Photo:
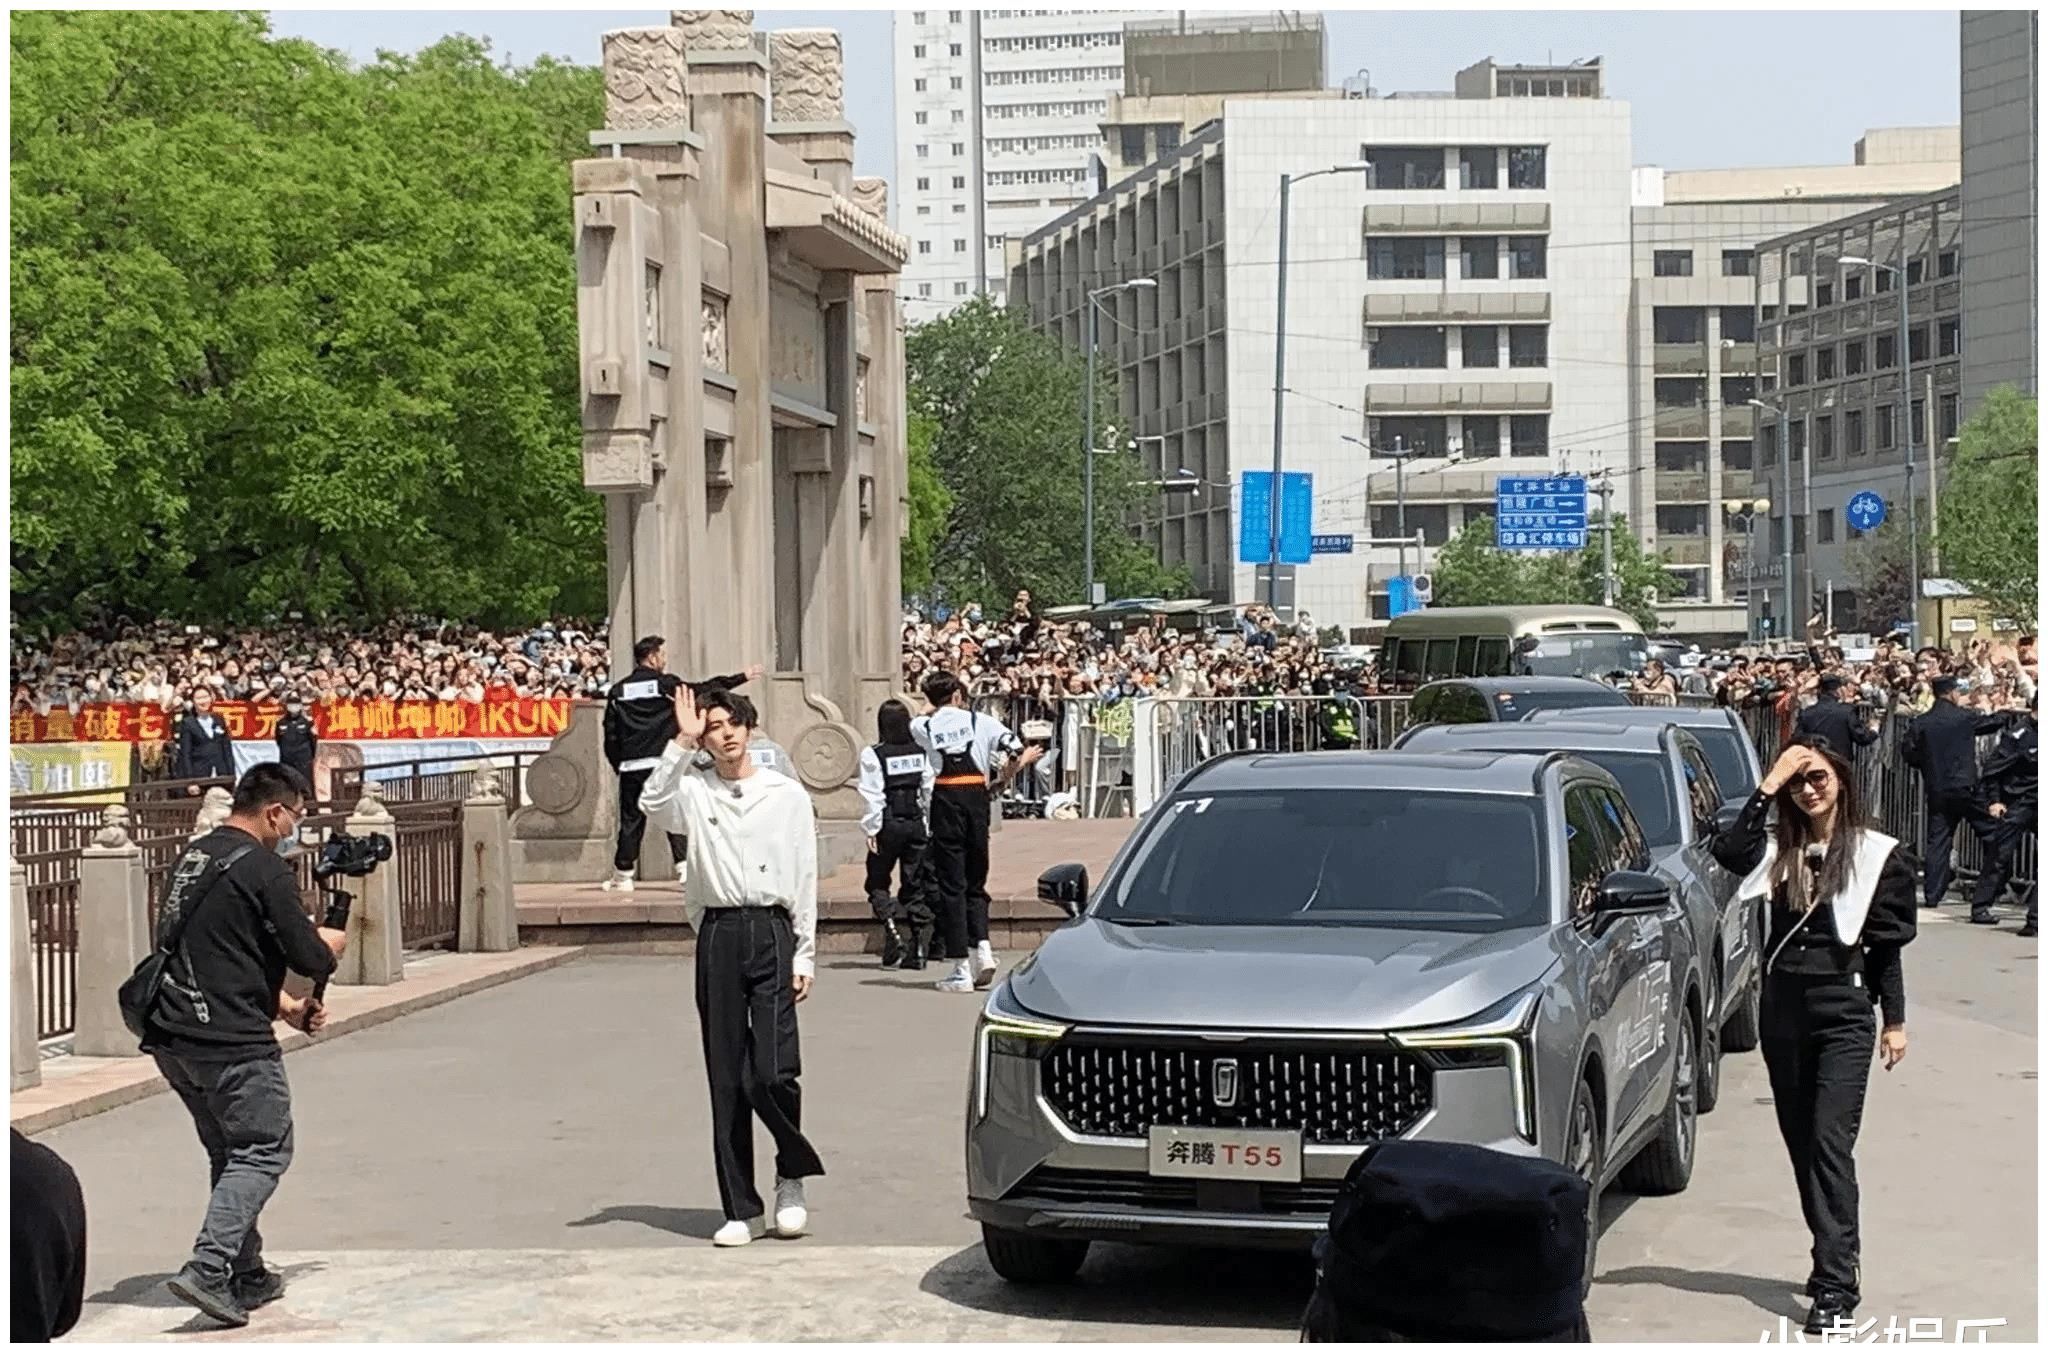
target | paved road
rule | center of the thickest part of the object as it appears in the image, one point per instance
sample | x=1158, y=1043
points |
x=529, y=1163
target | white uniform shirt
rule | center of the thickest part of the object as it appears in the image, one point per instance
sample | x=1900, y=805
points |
x=874, y=778
x=954, y=730
x=753, y=843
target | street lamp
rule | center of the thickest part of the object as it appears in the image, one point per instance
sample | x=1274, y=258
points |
x=1287, y=182
x=1088, y=434
x=1747, y=511
x=1785, y=495
x=1906, y=419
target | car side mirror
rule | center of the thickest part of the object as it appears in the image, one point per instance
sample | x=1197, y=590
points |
x=1066, y=887
x=1630, y=892
x=1730, y=813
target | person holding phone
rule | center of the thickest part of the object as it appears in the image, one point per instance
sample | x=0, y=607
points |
x=1839, y=905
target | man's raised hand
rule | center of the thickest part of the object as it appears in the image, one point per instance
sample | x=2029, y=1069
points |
x=689, y=719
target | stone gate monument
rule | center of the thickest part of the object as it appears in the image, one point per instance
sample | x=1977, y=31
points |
x=743, y=409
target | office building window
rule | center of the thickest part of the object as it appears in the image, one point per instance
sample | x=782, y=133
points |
x=1680, y=392
x=952, y=16
x=924, y=246
x=1529, y=434
x=1131, y=142
x=1916, y=342
x=1795, y=369
x=924, y=211
x=1672, y=263
x=917, y=16
x=994, y=241
x=953, y=49
x=1528, y=256
x=924, y=289
x=1166, y=136
x=1482, y=435
x=1824, y=437
x=1737, y=456
x=959, y=116
x=1949, y=416
x=1526, y=166
x=1823, y=293
x=959, y=208
x=1945, y=263
x=1405, y=259
x=1919, y=416
x=1916, y=271
x=924, y=185
x=1478, y=167
x=1528, y=345
x=924, y=151
x=1738, y=263
x=1481, y=345
x=1683, y=520
x=1887, y=351
x=1407, y=435
x=1824, y=527
x=959, y=288
x=918, y=51
x=1853, y=357
x=1951, y=331
x=1406, y=345
x=1767, y=441
x=921, y=118
x=1737, y=391
x=959, y=246
x=1850, y=291
x=1404, y=166
x=920, y=85
x=1852, y=286
x=959, y=147
x=955, y=82
x=1738, y=324
x=1678, y=324
x=1887, y=427
x=1824, y=364
x=1796, y=439
x=1479, y=256
x=959, y=181
x=1852, y=432
x=1432, y=519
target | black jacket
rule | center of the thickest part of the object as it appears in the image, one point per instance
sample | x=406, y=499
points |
x=296, y=743
x=49, y=1243
x=199, y=757
x=1836, y=721
x=220, y=990
x=2009, y=770
x=1942, y=746
x=640, y=712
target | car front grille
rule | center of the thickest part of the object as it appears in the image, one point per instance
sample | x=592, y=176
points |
x=1331, y=1094
x=1108, y=1188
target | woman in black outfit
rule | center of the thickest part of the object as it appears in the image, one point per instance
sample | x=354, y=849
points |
x=1840, y=909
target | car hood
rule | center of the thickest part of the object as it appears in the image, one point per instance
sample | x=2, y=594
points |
x=1277, y=977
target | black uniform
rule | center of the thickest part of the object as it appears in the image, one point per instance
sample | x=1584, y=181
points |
x=639, y=721
x=1942, y=746
x=49, y=1243
x=1835, y=720
x=1819, y=1033
x=900, y=840
x=2009, y=776
x=297, y=743
x=961, y=745
x=204, y=750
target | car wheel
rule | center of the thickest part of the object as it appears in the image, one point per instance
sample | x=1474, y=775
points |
x=1582, y=1155
x=1707, y=1088
x=1665, y=1165
x=1020, y=1258
x=1745, y=1026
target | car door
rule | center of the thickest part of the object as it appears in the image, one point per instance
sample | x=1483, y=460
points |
x=1589, y=852
x=1738, y=931
x=1647, y=1052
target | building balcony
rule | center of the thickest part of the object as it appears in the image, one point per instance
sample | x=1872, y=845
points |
x=1687, y=421
x=1683, y=551
x=1458, y=218
x=1742, y=484
x=1681, y=486
x=1681, y=359
x=1737, y=421
x=1469, y=307
x=1738, y=359
x=1456, y=396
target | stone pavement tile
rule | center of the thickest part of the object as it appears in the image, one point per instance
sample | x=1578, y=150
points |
x=75, y=1087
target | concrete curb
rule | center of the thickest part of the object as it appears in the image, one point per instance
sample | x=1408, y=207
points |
x=143, y=1080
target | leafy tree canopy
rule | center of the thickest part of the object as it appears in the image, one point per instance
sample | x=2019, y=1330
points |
x=1470, y=570
x=1990, y=527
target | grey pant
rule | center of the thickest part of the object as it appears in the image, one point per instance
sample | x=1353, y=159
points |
x=243, y=1111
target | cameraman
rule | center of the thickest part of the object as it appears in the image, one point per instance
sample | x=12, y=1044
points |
x=210, y=1027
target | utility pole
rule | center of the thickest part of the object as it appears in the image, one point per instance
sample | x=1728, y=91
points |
x=1606, y=492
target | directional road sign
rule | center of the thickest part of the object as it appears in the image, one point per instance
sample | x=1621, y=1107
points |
x=1547, y=513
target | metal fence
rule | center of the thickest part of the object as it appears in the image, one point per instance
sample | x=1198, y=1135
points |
x=53, y=938
x=428, y=851
x=435, y=780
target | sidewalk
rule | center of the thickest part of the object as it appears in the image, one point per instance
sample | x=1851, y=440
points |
x=78, y=1087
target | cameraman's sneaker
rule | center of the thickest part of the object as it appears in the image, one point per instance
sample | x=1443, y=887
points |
x=214, y=1297
x=791, y=1216
x=621, y=881
x=256, y=1289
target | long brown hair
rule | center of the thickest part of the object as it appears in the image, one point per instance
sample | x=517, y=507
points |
x=1794, y=832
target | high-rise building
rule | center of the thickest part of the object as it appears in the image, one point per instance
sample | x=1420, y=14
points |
x=997, y=114
x=2001, y=184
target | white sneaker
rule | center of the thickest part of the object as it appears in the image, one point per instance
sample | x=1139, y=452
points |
x=736, y=1233
x=961, y=978
x=790, y=1214
x=984, y=967
x=619, y=882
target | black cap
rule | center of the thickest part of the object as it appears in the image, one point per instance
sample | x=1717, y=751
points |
x=1831, y=682
x=1445, y=1241
x=1943, y=685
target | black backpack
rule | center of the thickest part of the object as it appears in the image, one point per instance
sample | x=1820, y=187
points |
x=139, y=994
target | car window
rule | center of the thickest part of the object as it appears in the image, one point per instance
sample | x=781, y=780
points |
x=1519, y=704
x=1585, y=848
x=1492, y=659
x=1336, y=857
x=1422, y=709
x=1409, y=665
x=1628, y=847
x=1464, y=704
x=1646, y=786
x=1468, y=655
x=1725, y=755
x=1441, y=659
x=1703, y=790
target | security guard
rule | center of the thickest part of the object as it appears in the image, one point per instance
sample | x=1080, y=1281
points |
x=1942, y=746
x=639, y=721
x=1834, y=719
x=296, y=741
x=896, y=788
x=2009, y=777
x=962, y=747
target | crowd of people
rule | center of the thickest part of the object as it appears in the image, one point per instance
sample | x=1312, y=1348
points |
x=164, y=663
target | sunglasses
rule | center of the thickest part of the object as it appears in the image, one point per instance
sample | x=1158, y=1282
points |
x=1814, y=779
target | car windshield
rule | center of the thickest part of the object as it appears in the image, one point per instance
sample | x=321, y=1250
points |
x=1521, y=704
x=1592, y=655
x=1647, y=787
x=1337, y=857
x=1724, y=753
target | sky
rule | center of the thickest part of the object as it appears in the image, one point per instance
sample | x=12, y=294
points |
x=1707, y=89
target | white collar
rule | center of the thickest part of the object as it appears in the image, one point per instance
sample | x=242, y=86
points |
x=1851, y=906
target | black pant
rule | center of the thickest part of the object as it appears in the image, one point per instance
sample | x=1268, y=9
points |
x=1946, y=812
x=960, y=865
x=900, y=846
x=633, y=824
x=746, y=1009
x=2000, y=853
x=243, y=1111
x=1819, y=1035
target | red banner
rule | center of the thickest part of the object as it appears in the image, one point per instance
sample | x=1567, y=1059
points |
x=343, y=720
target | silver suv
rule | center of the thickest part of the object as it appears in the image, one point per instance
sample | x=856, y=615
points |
x=1294, y=957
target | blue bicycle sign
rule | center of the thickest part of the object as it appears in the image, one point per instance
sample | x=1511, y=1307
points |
x=1866, y=511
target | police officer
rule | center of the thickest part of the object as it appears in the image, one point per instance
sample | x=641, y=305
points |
x=296, y=741
x=2009, y=778
x=204, y=750
x=639, y=721
x=896, y=788
x=1942, y=746
x=962, y=747
x=1834, y=719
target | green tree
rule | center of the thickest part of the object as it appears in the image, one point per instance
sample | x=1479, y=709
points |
x=930, y=504
x=1470, y=570
x=1004, y=403
x=290, y=334
x=1881, y=566
x=1990, y=530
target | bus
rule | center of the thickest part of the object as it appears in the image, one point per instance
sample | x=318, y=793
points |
x=1481, y=641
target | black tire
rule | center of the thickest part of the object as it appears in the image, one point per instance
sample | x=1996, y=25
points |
x=1707, y=1086
x=1032, y=1260
x=1744, y=1027
x=1584, y=1152
x=1665, y=1165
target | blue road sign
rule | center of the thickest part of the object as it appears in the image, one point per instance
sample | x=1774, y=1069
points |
x=1255, y=517
x=1866, y=511
x=1547, y=513
x=1401, y=597
x=1330, y=544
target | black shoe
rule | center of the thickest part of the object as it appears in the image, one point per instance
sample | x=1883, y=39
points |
x=892, y=944
x=1832, y=1313
x=915, y=951
x=2028, y=931
x=1930, y=906
x=259, y=1288
x=214, y=1297
x=1982, y=916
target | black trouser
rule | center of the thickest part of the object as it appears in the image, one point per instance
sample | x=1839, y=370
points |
x=900, y=845
x=1819, y=1035
x=633, y=824
x=2000, y=854
x=243, y=1111
x=960, y=865
x=1946, y=812
x=746, y=1010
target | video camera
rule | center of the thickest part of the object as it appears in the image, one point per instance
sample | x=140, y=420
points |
x=349, y=857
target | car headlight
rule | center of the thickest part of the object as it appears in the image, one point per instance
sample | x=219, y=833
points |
x=1500, y=1035
x=1012, y=1032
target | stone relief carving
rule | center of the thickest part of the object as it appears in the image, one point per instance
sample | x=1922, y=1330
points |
x=871, y=195
x=806, y=75
x=713, y=30
x=860, y=390
x=643, y=79
x=826, y=755
x=714, y=333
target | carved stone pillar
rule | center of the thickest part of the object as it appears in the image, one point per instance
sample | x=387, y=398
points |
x=807, y=102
